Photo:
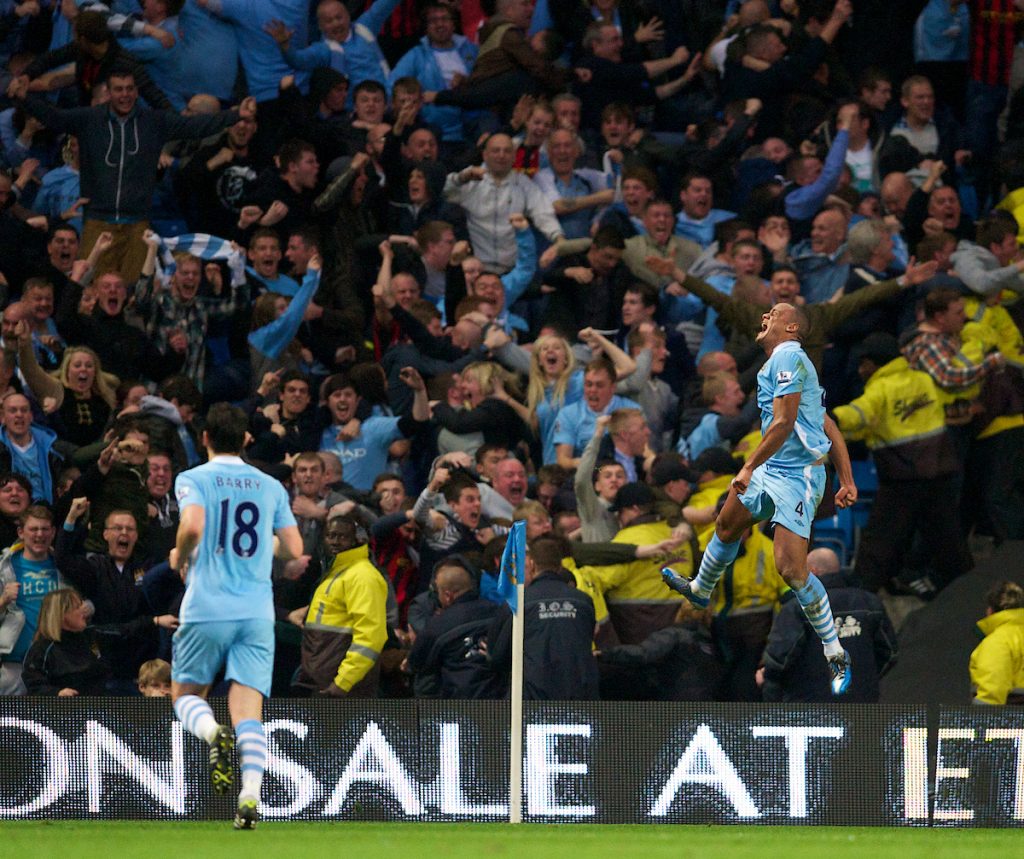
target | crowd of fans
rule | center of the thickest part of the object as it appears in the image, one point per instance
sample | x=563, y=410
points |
x=470, y=263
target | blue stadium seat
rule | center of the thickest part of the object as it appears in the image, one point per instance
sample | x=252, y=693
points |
x=866, y=477
x=837, y=533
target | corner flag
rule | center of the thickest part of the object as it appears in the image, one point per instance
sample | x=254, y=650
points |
x=513, y=560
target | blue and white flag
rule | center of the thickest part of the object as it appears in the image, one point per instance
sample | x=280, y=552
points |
x=204, y=246
x=513, y=564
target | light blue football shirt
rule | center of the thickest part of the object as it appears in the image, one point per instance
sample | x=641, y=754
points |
x=790, y=371
x=229, y=576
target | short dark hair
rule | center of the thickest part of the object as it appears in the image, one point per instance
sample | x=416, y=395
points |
x=802, y=320
x=871, y=77
x=294, y=376
x=727, y=231
x=608, y=237
x=604, y=463
x=337, y=382
x=310, y=235
x=182, y=389
x=92, y=27
x=618, y=110
x=485, y=449
x=291, y=152
x=369, y=85
x=225, y=428
x=455, y=485
x=548, y=550
x=992, y=231
x=61, y=227
x=13, y=476
x=690, y=175
x=938, y=301
x=648, y=292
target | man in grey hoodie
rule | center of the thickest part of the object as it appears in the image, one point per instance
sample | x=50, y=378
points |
x=120, y=144
x=992, y=263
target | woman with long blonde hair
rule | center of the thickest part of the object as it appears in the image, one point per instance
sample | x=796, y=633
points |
x=78, y=396
x=556, y=380
x=64, y=657
x=488, y=407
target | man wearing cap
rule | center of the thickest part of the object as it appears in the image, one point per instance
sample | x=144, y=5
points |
x=783, y=480
x=902, y=420
x=672, y=480
x=792, y=670
x=637, y=602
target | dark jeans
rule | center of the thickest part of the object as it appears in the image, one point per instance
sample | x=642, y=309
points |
x=984, y=104
x=993, y=496
x=901, y=509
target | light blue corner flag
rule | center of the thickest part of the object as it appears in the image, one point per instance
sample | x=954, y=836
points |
x=513, y=561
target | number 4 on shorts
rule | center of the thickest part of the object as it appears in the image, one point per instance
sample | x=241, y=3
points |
x=800, y=508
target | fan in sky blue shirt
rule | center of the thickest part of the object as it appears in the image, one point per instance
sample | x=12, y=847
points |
x=575, y=423
x=358, y=57
x=261, y=58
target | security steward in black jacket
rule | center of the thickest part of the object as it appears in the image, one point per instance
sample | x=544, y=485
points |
x=449, y=658
x=793, y=666
x=558, y=661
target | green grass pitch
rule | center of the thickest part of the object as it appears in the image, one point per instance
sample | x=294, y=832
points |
x=123, y=839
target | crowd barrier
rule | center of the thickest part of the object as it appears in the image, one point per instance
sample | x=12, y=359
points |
x=608, y=762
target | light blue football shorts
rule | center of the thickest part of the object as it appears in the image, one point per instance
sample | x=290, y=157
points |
x=787, y=496
x=244, y=647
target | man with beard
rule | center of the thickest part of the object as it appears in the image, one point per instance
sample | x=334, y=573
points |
x=217, y=178
x=111, y=581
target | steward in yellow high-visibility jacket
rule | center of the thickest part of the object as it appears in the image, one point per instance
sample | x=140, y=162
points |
x=346, y=627
x=902, y=418
x=997, y=664
x=638, y=601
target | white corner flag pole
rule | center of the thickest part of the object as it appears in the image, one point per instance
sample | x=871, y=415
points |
x=515, y=782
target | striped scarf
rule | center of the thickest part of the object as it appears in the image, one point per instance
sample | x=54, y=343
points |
x=205, y=247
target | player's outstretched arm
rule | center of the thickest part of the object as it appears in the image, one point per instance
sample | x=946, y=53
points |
x=784, y=411
x=840, y=456
x=287, y=543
